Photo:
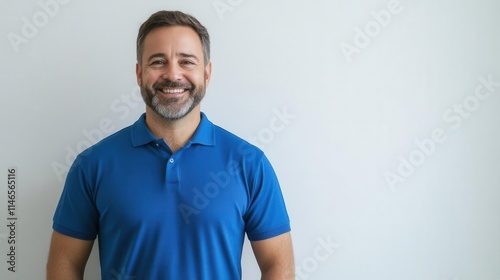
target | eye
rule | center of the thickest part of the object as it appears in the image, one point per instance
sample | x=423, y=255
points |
x=158, y=62
x=187, y=62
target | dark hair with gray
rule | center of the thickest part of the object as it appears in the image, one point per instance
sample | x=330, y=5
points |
x=173, y=18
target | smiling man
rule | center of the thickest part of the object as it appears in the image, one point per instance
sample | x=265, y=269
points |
x=173, y=195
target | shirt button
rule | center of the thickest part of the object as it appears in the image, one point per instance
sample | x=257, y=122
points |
x=157, y=145
x=171, y=160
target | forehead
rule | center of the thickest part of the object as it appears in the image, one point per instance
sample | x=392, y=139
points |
x=172, y=38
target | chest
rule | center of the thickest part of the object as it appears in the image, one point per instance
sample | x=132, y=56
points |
x=163, y=191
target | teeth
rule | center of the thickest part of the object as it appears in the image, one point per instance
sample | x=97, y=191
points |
x=172, y=90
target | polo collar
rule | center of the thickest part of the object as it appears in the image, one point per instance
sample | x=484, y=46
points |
x=204, y=134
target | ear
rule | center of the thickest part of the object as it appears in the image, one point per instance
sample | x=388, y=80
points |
x=208, y=73
x=138, y=74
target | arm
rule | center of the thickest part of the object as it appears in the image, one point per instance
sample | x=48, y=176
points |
x=275, y=257
x=67, y=257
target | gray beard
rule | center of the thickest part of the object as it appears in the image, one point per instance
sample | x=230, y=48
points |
x=170, y=109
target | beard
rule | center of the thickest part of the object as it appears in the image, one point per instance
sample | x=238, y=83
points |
x=172, y=108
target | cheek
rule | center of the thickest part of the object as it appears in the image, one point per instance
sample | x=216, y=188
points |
x=149, y=77
x=196, y=78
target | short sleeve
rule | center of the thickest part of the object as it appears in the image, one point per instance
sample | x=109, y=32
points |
x=76, y=214
x=266, y=216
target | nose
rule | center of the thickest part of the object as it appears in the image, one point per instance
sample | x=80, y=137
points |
x=172, y=72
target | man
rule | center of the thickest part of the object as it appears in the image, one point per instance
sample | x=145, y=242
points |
x=171, y=196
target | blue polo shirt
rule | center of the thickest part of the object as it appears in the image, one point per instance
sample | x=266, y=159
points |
x=164, y=215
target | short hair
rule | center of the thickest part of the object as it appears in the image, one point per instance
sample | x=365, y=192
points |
x=173, y=18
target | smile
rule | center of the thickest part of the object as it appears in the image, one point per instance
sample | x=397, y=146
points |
x=173, y=90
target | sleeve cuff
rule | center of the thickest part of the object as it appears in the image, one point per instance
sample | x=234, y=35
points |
x=73, y=233
x=268, y=234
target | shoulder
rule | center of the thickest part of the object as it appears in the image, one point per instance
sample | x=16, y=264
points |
x=228, y=140
x=115, y=143
x=112, y=142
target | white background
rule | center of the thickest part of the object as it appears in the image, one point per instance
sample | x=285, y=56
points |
x=356, y=117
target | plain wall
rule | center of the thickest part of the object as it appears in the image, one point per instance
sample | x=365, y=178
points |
x=381, y=118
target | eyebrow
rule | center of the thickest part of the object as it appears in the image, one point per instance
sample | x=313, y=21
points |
x=185, y=55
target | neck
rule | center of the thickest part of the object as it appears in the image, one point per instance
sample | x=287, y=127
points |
x=176, y=133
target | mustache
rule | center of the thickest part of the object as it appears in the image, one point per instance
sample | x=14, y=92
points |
x=171, y=84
